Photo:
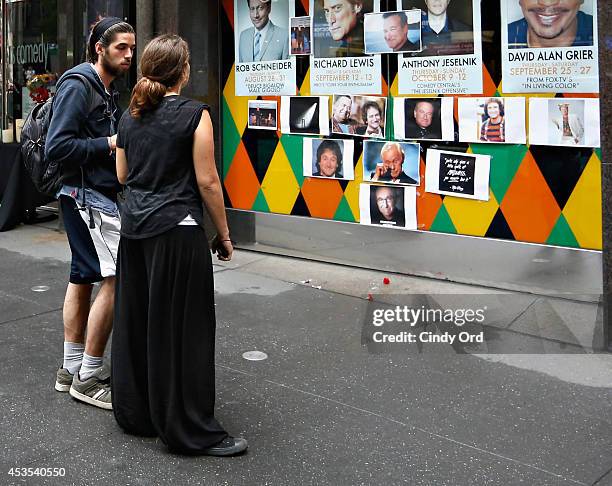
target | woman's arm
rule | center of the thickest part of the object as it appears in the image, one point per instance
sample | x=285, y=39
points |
x=208, y=181
x=122, y=168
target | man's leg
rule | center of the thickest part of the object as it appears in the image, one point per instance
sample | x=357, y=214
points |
x=100, y=323
x=92, y=382
x=75, y=313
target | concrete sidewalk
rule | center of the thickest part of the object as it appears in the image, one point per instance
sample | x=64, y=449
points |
x=323, y=408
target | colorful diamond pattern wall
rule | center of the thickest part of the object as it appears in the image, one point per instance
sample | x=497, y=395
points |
x=545, y=195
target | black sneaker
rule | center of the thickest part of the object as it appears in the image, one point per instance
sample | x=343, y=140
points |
x=230, y=446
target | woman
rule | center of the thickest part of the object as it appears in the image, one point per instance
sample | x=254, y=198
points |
x=163, y=344
x=329, y=160
x=493, y=127
x=372, y=118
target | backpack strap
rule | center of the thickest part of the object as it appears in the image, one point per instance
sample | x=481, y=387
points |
x=92, y=106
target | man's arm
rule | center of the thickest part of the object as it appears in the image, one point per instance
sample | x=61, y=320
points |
x=64, y=140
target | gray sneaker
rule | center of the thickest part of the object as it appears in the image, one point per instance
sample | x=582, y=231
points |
x=95, y=390
x=63, y=381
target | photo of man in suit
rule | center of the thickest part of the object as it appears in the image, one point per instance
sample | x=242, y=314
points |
x=391, y=169
x=264, y=41
x=423, y=121
x=568, y=128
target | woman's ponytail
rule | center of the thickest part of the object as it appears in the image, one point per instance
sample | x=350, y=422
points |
x=164, y=62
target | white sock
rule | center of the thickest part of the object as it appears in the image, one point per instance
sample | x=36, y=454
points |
x=73, y=356
x=90, y=364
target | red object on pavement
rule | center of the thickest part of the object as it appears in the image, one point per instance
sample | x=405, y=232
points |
x=386, y=281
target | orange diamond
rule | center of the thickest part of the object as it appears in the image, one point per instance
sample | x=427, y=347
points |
x=241, y=183
x=322, y=196
x=529, y=206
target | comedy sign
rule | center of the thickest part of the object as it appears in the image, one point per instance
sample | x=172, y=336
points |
x=263, y=62
x=549, y=47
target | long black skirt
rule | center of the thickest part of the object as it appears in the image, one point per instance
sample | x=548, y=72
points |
x=163, y=347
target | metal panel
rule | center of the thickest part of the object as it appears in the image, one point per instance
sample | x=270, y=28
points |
x=494, y=263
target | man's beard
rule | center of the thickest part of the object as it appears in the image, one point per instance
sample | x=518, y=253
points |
x=114, y=71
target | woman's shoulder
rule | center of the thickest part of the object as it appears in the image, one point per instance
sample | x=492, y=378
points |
x=191, y=104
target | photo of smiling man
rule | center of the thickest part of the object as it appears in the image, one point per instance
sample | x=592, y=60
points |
x=551, y=23
x=556, y=38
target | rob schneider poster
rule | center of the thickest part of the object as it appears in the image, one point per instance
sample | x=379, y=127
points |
x=261, y=37
x=549, y=47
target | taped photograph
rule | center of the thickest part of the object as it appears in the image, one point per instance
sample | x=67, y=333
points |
x=391, y=162
x=328, y=158
x=263, y=115
x=305, y=115
x=457, y=174
x=301, y=39
x=389, y=32
x=388, y=206
x=363, y=116
x=492, y=120
x=572, y=122
x=423, y=118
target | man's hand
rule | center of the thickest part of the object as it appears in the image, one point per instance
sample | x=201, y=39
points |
x=378, y=173
x=112, y=142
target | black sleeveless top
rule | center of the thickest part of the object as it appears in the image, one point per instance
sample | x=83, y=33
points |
x=161, y=188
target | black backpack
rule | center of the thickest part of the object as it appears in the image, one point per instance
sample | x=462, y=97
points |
x=46, y=174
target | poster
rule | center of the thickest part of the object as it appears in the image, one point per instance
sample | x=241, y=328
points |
x=451, y=59
x=458, y=174
x=305, y=115
x=391, y=162
x=300, y=41
x=423, y=118
x=362, y=116
x=263, y=115
x=572, y=122
x=261, y=48
x=549, y=47
x=492, y=120
x=328, y=158
x=388, y=206
x=393, y=32
x=339, y=63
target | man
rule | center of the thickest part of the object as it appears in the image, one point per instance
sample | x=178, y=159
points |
x=553, y=23
x=395, y=30
x=341, y=116
x=493, y=127
x=82, y=137
x=264, y=41
x=372, y=117
x=383, y=206
x=442, y=34
x=345, y=24
x=391, y=170
x=329, y=160
x=420, y=125
x=569, y=129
